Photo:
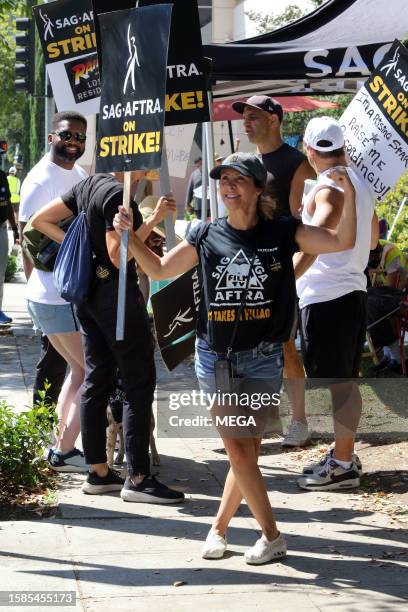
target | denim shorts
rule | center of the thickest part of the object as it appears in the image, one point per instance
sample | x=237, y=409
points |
x=263, y=363
x=257, y=375
x=53, y=318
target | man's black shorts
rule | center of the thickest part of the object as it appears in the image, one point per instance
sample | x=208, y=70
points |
x=332, y=336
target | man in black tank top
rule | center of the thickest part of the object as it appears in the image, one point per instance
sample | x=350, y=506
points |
x=287, y=166
x=287, y=169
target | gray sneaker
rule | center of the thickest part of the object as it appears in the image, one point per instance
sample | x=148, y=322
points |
x=297, y=435
x=331, y=477
x=313, y=467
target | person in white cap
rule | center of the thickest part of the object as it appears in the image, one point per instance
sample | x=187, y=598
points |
x=332, y=294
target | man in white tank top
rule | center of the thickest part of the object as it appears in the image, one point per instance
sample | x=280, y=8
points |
x=332, y=297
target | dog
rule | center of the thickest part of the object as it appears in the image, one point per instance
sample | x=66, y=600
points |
x=114, y=413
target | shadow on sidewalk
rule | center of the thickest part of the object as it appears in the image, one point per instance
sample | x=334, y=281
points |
x=365, y=567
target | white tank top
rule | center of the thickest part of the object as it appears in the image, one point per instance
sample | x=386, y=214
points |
x=335, y=274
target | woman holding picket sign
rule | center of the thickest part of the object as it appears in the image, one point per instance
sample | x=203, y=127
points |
x=245, y=315
x=99, y=197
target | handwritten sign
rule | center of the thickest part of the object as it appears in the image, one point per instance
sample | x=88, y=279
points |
x=375, y=124
x=179, y=140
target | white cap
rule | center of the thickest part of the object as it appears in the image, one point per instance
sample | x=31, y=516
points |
x=324, y=134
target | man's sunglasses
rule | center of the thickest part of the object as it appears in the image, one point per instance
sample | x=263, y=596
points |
x=67, y=135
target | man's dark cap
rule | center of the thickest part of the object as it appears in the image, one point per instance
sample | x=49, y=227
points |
x=264, y=103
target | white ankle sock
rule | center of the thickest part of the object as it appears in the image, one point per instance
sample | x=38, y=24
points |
x=344, y=464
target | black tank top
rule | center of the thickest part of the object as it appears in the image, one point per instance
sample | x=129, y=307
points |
x=281, y=166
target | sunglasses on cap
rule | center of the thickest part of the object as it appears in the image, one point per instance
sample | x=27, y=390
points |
x=67, y=135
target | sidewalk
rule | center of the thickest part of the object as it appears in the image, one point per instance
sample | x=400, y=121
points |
x=122, y=556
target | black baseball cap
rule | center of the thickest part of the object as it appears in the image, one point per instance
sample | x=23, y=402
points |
x=244, y=163
x=265, y=103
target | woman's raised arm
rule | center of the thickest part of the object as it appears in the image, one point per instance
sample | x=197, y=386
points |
x=181, y=258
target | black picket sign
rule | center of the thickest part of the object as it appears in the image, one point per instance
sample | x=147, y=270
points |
x=66, y=30
x=175, y=314
x=186, y=88
x=131, y=118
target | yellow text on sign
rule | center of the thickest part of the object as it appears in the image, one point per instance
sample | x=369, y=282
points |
x=394, y=106
x=129, y=144
x=249, y=314
x=71, y=45
x=187, y=100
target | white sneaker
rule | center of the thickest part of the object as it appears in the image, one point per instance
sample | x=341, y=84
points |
x=297, y=435
x=331, y=477
x=317, y=465
x=214, y=546
x=264, y=551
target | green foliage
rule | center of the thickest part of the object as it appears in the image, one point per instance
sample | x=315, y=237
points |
x=10, y=6
x=24, y=437
x=11, y=268
x=21, y=115
x=267, y=22
x=388, y=209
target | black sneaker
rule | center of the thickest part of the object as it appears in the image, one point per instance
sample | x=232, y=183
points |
x=150, y=491
x=94, y=484
x=74, y=461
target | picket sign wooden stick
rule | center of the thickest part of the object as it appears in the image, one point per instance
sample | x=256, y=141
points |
x=124, y=241
x=204, y=175
x=120, y=319
x=165, y=189
x=209, y=133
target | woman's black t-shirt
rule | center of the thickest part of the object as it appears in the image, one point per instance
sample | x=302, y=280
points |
x=100, y=196
x=225, y=254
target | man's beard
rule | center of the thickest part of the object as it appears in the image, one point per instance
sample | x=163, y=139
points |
x=60, y=150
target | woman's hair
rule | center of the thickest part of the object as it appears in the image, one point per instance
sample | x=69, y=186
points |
x=266, y=206
x=267, y=203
